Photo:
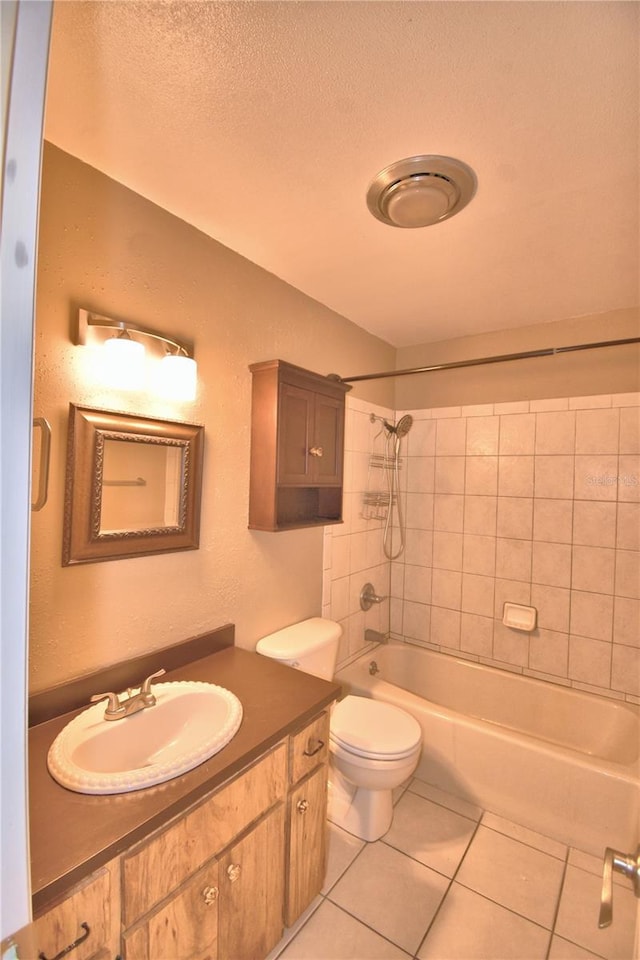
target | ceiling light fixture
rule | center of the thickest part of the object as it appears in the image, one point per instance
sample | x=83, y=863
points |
x=123, y=355
x=420, y=191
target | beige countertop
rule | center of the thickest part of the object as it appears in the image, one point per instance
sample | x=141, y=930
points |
x=73, y=834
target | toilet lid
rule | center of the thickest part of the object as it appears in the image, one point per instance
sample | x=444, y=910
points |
x=372, y=728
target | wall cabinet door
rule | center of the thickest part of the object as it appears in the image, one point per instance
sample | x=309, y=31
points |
x=307, y=843
x=252, y=891
x=310, y=437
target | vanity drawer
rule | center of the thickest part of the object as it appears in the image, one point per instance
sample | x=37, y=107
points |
x=90, y=905
x=157, y=866
x=309, y=747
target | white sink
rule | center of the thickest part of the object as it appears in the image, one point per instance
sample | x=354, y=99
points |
x=188, y=724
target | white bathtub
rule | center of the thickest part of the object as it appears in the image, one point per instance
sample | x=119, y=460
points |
x=560, y=761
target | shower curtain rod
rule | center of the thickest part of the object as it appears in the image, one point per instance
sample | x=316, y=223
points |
x=455, y=364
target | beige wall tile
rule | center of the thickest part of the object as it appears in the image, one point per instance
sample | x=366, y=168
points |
x=590, y=403
x=552, y=604
x=448, y=512
x=419, y=546
x=629, y=430
x=451, y=437
x=593, y=569
x=477, y=594
x=590, y=660
x=445, y=627
x=417, y=477
x=510, y=591
x=627, y=574
x=418, y=510
x=626, y=621
x=592, y=615
x=417, y=583
x=628, y=534
x=416, y=620
x=596, y=477
x=555, y=432
x=539, y=406
x=447, y=550
x=513, y=559
x=446, y=588
x=594, y=523
x=515, y=518
x=625, y=669
x=629, y=478
x=510, y=407
x=476, y=634
x=625, y=400
x=549, y=652
x=510, y=646
x=481, y=477
x=517, y=434
x=480, y=515
x=551, y=564
x=597, y=431
x=482, y=436
x=421, y=441
x=449, y=474
x=479, y=554
x=515, y=476
x=477, y=410
x=552, y=520
x=554, y=477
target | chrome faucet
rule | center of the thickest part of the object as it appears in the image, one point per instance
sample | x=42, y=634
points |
x=118, y=709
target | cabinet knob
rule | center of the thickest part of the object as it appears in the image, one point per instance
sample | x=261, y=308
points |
x=233, y=871
x=210, y=895
x=316, y=451
x=302, y=806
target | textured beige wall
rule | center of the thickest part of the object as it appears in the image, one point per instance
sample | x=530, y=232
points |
x=585, y=373
x=108, y=249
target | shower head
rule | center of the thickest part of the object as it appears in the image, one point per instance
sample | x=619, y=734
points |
x=403, y=425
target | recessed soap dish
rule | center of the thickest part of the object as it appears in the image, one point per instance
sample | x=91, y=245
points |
x=519, y=617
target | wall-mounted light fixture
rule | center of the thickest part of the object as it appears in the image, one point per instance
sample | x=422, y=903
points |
x=124, y=348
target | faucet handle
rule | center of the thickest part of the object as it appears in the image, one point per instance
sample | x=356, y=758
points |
x=625, y=863
x=145, y=689
x=114, y=705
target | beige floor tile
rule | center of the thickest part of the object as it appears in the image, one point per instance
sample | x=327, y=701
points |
x=470, y=927
x=290, y=932
x=530, y=837
x=586, y=861
x=331, y=934
x=578, y=916
x=343, y=848
x=513, y=874
x=448, y=800
x=563, y=950
x=429, y=833
x=392, y=893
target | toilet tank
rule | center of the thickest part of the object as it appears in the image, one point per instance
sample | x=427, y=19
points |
x=311, y=646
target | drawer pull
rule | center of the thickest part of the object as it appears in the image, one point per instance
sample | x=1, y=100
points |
x=210, y=895
x=72, y=946
x=233, y=872
x=309, y=752
x=302, y=806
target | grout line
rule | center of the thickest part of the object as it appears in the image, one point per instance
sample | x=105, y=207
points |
x=524, y=842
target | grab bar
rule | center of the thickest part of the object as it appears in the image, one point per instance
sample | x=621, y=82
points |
x=45, y=458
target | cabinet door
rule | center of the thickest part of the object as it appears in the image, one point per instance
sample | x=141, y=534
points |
x=307, y=843
x=185, y=927
x=295, y=435
x=328, y=434
x=252, y=891
x=84, y=918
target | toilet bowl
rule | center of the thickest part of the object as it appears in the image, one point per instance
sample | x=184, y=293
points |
x=374, y=746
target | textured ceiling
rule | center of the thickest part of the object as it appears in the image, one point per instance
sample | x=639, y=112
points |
x=263, y=123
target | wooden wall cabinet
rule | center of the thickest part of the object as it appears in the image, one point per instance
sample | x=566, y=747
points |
x=297, y=447
x=219, y=881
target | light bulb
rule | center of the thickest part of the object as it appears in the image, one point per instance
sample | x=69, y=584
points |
x=178, y=377
x=123, y=363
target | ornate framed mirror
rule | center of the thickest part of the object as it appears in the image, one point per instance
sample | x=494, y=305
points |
x=133, y=486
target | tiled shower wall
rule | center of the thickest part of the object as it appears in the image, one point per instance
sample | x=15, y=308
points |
x=534, y=502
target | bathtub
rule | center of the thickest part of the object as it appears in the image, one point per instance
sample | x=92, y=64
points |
x=559, y=761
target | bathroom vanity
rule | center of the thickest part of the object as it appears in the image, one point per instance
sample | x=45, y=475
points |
x=210, y=865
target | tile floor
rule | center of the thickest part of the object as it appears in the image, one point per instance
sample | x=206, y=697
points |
x=452, y=882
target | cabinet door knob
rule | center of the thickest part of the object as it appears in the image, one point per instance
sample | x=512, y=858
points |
x=210, y=895
x=316, y=451
x=233, y=871
x=302, y=806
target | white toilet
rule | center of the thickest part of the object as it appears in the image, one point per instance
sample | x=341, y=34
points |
x=374, y=746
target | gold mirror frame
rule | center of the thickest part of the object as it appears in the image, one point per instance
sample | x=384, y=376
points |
x=83, y=540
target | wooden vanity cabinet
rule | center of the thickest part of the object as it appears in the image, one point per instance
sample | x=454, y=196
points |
x=307, y=817
x=297, y=447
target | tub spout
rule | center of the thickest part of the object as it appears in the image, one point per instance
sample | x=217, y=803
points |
x=626, y=863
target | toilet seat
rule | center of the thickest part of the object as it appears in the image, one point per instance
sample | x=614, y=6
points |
x=374, y=729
